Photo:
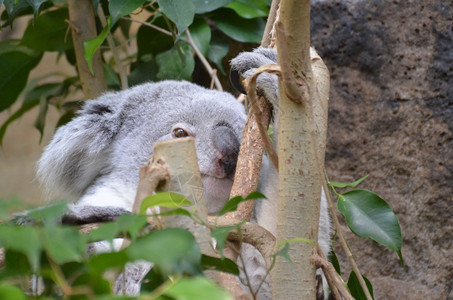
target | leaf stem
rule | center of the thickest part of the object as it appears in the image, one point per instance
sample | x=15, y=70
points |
x=204, y=61
x=343, y=242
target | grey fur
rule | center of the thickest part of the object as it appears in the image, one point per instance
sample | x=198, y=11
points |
x=96, y=157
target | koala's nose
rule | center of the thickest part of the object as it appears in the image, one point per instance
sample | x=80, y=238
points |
x=227, y=144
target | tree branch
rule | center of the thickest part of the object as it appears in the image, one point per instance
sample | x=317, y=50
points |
x=83, y=28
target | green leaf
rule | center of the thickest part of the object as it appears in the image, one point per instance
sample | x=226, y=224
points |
x=104, y=261
x=249, y=9
x=368, y=215
x=64, y=244
x=113, y=82
x=49, y=33
x=50, y=214
x=41, y=119
x=176, y=63
x=164, y=199
x=356, y=289
x=197, y=288
x=218, y=49
x=233, y=203
x=126, y=223
x=15, y=8
x=18, y=66
x=220, y=234
x=151, y=41
x=347, y=184
x=201, y=34
x=143, y=72
x=91, y=46
x=120, y=8
x=204, y=6
x=35, y=4
x=178, y=211
x=23, y=239
x=11, y=292
x=172, y=250
x=283, y=247
x=219, y=264
x=283, y=252
x=240, y=29
x=179, y=12
x=334, y=260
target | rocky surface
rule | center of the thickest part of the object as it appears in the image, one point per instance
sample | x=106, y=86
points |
x=391, y=116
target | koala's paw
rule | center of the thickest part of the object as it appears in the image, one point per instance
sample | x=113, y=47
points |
x=92, y=214
x=246, y=63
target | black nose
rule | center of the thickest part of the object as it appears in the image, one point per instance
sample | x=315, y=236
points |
x=226, y=142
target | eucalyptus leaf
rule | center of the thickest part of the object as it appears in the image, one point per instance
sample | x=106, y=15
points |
x=151, y=41
x=179, y=12
x=220, y=234
x=16, y=66
x=197, y=288
x=91, y=46
x=204, y=6
x=16, y=8
x=201, y=34
x=50, y=214
x=164, y=199
x=177, y=63
x=240, y=29
x=23, y=239
x=64, y=244
x=172, y=250
x=232, y=204
x=249, y=9
x=356, y=289
x=120, y=8
x=334, y=260
x=41, y=119
x=347, y=184
x=11, y=292
x=219, y=264
x=101, y=262
x=218, y=49
x=35, y=4
x=49, y=33
x=368, y=215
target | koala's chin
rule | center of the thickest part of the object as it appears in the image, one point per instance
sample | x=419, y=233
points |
x=216, y=192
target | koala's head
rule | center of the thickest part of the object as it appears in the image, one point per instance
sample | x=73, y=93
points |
x=113, y=136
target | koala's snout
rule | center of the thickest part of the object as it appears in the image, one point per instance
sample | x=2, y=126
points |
x=227, y=145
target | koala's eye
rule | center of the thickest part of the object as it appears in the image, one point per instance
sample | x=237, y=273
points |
x=180, y=133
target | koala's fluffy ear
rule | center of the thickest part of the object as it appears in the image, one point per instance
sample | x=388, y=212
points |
x=79, y=149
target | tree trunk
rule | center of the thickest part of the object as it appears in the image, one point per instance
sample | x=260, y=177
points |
x=299, y=177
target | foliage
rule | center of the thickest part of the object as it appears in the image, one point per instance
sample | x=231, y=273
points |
x=43, y=248
x=163, y=50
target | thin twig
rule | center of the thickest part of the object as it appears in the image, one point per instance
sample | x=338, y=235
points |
x=114, y=49
x=204, y=61
x=343, y=242
x=334, y=280
x=251, y=92
x=266, y=41
x=150, y=25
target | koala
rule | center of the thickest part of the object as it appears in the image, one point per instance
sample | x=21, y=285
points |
x=95, y=158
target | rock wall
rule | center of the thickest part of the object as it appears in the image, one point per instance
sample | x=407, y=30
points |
x=391, y=116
